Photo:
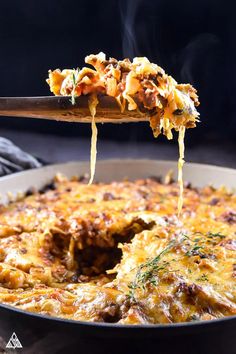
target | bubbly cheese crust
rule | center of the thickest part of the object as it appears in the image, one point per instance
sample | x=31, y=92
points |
x=117, y=252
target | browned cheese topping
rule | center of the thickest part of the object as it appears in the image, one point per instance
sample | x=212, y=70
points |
x=117, y=252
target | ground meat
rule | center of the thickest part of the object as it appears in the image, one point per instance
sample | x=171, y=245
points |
x=229, y=216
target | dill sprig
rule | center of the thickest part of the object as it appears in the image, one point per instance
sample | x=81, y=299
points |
x=74, y=83
x=210, y=234
x=216, y=234
x=194, y=250
x=203, y=277
x=146, y=273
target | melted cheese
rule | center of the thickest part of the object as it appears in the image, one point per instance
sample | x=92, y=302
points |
x=93, y=101
x=180, y=168
x=169, y=270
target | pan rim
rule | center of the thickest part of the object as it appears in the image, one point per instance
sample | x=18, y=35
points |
x=161, y=326
x=121, y=160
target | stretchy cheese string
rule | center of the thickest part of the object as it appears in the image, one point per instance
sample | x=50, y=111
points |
x=180, y=168
x=128, y=81
x=93, y=101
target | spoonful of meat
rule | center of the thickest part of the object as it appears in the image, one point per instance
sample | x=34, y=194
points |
x=114, y=92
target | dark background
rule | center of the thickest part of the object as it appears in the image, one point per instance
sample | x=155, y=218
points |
x=193, y=40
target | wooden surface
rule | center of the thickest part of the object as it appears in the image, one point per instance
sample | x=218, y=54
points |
x=61, y=109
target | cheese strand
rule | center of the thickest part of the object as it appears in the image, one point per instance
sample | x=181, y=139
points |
x=180, y=168
x=93, y=101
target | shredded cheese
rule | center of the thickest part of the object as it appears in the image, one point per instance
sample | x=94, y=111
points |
x=180, y=168
x=93, y=101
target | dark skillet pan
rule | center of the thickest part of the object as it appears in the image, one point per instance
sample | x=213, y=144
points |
x=43, y=334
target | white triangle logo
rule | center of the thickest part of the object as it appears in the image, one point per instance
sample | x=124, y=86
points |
x=14, y=342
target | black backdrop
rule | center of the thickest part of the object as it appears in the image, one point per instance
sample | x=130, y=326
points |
x=193, y=40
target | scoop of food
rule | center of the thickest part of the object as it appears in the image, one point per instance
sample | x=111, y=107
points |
x=140, y=85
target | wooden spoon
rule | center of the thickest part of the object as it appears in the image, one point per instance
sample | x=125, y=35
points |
x=61, y=109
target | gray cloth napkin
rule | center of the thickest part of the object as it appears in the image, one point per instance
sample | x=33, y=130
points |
x=13, y=159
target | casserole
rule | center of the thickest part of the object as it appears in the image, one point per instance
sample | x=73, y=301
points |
x=40, y=332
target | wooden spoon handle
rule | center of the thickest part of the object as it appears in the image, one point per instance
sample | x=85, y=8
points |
x=61, y=109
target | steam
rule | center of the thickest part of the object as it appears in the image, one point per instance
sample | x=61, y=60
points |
x=197, y=51
x=141, y=29
x=128, y=11
x=167, y=37
x=201, y=63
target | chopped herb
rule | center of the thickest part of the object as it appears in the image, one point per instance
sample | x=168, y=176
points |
x=74, y=81
x=203, y=277
x=74, y=78
x=193, y=251
x=217, y=234
x=72, y=100
x=194, y=318
x=185, y=237
x=146, y=273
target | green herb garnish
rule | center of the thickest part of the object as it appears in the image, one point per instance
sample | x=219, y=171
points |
x=74, y=82
x=217, y=234
x=74, y=78
x=184, y=237
x=146, y=273
x=193, y=250
x=203, y=277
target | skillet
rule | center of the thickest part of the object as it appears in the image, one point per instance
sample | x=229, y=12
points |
x=44, y=334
